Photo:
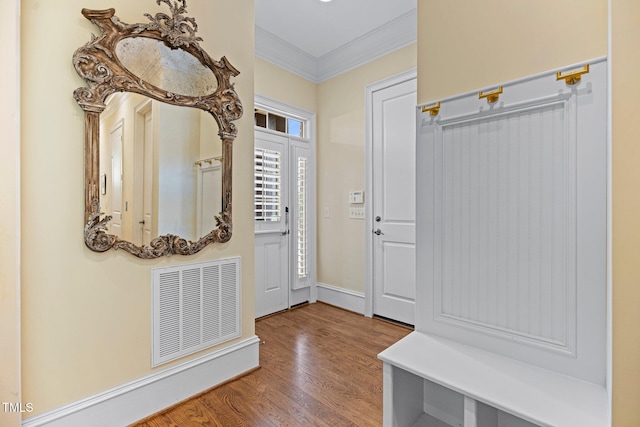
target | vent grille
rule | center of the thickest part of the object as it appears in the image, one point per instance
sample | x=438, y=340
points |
x=194, y=307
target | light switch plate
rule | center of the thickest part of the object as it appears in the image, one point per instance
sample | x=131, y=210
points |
x=356, y=213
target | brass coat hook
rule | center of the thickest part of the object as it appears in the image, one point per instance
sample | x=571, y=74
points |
x=433, y=110
x=572, y=77
x=491, y=96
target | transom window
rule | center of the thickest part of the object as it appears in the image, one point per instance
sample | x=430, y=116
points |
x=279, y=123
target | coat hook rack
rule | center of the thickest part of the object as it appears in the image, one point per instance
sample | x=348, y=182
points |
x=491, y=96
x=572, y=77
x=209, y=160
x=433, y=110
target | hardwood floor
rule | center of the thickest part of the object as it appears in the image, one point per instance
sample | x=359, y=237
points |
x=318, y=368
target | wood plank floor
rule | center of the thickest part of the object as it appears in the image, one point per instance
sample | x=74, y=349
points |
x=318, y=368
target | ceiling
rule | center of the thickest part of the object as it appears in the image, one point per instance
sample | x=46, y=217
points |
x=319, y=40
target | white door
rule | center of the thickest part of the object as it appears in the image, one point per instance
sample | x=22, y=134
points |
x=393, y=222
x=209, y=197
x=147, y=182
x=271, y=214
x=143, y=174
x=115, y=140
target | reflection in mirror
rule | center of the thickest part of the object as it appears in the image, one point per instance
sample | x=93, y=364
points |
x=161, y=168
x=175, y=71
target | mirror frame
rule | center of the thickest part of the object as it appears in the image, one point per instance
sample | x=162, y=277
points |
x=97, y=63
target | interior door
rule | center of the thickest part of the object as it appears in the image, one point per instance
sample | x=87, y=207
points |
x=271, y=215
x=209, y=197
x=393, y=222
x=147, y=183
x=116, y=141
x=142, y=206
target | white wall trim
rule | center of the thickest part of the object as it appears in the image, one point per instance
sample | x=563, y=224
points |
x=10, y=303
x=385, y=39
x=285, y=55
x=609, y=337
x=340, y=297
x=145, y=396
x=369, y=90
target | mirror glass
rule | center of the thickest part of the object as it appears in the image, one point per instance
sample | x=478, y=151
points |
x=173, y=70
x=160, y=169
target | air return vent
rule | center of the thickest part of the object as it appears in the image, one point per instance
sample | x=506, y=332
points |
x=194, y=306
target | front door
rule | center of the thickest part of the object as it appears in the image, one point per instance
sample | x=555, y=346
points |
x=271, y=215
x=393, y=222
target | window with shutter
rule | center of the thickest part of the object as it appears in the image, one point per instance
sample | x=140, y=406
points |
x=302, y=218
x=267, y=185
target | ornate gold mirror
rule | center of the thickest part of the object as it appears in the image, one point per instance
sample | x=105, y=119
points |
x=152, y=81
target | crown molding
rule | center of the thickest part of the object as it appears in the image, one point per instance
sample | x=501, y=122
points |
x=285, y=55
x=385, y=39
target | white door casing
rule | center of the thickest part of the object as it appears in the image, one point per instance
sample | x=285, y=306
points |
x=392, y=218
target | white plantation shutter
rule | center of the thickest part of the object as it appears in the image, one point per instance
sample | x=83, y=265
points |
x=267, y=185
x=301, y=229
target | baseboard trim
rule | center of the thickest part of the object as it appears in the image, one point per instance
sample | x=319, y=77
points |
x=340, y=297
x=145, y=396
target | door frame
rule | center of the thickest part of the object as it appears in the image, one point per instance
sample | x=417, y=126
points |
x=370, y=89
x=278, y=107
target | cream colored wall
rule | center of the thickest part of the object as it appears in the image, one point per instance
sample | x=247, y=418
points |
x=210, y=143
x=176, y=171
x=626, y=212
x=468, y=45
x=86, y=316
x=341, y=167
x=281, y=85
x=9, y=215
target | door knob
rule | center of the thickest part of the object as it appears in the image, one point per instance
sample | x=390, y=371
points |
x=378, y=232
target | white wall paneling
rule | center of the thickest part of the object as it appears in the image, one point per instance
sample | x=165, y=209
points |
x=511, y=257
x=505, y=224
x=512, y=222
